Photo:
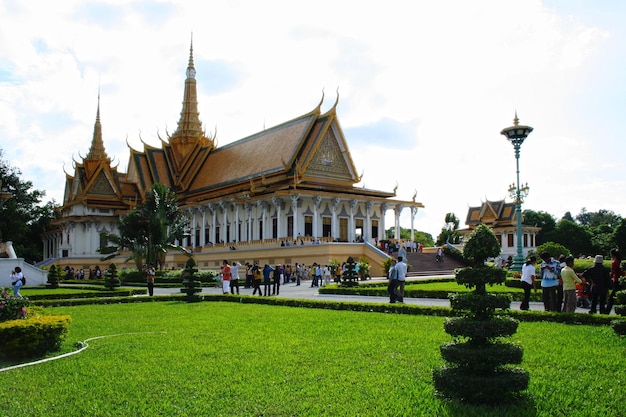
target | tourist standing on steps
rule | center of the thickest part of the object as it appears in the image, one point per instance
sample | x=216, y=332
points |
x=528, y=281
x=600, y=280
x=150, y=279
x=234, y=281
x=226, y=276
x=549, y=282
x=401, y=272
x=570, y=279
x=392, y=282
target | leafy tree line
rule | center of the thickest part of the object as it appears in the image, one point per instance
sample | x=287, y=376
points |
x=23, y=217
x=588, y=233
x=405, y=234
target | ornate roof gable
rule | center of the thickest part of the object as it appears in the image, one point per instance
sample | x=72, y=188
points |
x=491, y=213
x=325, y=155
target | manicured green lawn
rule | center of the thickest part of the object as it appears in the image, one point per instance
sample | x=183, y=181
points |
x=229, y=359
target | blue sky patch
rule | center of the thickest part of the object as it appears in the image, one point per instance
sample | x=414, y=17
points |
x=390, y=132
x=217, y=76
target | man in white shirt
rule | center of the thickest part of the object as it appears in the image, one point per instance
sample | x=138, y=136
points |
x=401, y=268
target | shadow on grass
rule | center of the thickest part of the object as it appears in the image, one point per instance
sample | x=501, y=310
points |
x=522, y=405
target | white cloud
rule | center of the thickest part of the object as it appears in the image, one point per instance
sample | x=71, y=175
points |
x=435, y=82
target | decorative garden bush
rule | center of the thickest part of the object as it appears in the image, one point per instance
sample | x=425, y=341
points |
x=111, y=280
x=350, y=277
x=191, y=286
x=27, y=335
x=619, y=326
x=479, y=360
x=53, y=277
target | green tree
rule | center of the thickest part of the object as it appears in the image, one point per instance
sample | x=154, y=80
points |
x=576, y=238
x=153, y=229
x=554, y=249
x=23, y=218
x=450, y=231
x=619, y=236
x=405, y=234
x=541, y=219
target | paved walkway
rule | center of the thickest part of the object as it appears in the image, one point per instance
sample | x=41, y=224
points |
x=305, y=291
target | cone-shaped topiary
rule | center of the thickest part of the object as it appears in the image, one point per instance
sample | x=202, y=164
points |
x=191, y=286
x=619, y=326
x=479, y=369
x=350, y=277
x=53, y=277
x=111, y=280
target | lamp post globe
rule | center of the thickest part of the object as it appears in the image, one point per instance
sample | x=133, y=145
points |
x=516, y=134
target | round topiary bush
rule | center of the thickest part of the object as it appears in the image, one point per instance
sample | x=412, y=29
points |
x=479, y=369
x=111, y=280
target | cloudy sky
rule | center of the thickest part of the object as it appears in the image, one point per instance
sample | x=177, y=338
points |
x=425, y=87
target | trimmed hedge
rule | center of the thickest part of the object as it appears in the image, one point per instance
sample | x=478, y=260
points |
x=460, y=385
x=491, y=355
x=33, y=337
x=497, y=326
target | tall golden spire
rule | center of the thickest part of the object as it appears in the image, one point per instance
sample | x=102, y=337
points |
x=96, y=151
x=189, y=126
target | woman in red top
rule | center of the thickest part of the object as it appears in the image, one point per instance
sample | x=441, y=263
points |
x=226, y=275
x=616, y=273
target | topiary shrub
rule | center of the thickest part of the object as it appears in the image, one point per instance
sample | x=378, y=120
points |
x=33, y=337
x=619, y=326
x=53, y=277
x=479, y=362
x=350, y=277
x=191, y=286
x=111, y=280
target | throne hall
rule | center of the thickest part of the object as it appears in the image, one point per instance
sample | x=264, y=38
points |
x=292, y=184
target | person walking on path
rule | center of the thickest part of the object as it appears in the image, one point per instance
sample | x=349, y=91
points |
x=570, y=279
x=234, y=281
x=150, y=279
x=267, y=279
x=257, y=276
x=17, y=280
x=528, y=281
x=600, y=280
x=549, y=282
x=226, y=277
x=392, y=282
x=401, y=272
x=277, y=278
x=616, y=273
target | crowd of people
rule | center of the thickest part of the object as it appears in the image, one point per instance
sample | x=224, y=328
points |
x=267, y=279
x=563, y=289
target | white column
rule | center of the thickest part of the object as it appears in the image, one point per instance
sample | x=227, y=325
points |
x=367, y=235
x=398, y=209
x=248, y=208
x=224, y=206
x=294, y=205
x=317, y=200
x=351, y=235
x=413, y=214
x=333, y=227
x=236, y=222
x=202, y=210
x=192, y=238
x=262, y=205
x=383, y=212
x=213, y=208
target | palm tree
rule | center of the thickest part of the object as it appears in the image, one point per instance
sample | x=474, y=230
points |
x=152, y=229
x=165, y=223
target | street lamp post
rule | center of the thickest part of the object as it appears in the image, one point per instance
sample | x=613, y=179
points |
x=516, y=134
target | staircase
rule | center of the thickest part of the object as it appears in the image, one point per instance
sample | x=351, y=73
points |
x=423, y=264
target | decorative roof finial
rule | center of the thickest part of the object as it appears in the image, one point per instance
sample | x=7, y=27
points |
x=191, y=70
x=516, y=120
